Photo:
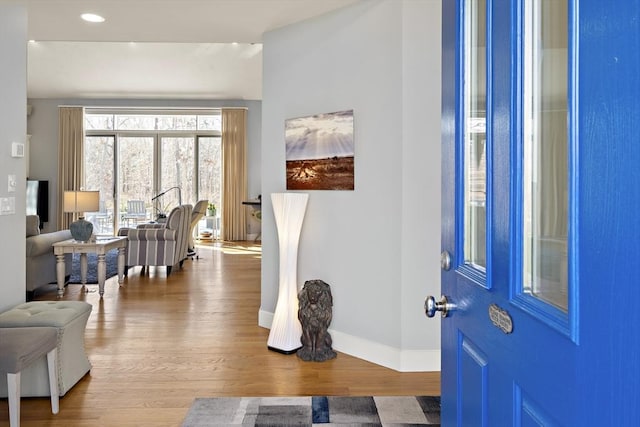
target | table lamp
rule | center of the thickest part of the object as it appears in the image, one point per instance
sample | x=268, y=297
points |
x=81, y=202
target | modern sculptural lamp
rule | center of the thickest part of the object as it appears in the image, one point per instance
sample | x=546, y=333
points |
x=289, y=209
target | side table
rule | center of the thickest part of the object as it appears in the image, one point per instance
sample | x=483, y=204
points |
x=100, y=247
x=256, y=206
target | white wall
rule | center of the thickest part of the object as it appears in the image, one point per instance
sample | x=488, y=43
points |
x=43, y=128
x=376, y=246
x=13, y=127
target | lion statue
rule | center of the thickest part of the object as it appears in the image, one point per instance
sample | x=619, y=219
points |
x=314, y=313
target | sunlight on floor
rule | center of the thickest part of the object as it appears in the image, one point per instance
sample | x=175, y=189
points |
x=233, y=248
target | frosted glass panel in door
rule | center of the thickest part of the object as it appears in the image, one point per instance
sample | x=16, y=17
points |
x=545, y=151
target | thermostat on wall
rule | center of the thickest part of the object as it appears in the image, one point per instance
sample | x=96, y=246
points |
x=17, y=149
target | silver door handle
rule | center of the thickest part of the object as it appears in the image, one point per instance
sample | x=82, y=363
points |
x=443, y=306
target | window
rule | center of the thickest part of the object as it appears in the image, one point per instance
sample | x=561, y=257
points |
x=475, y=135
x=545, y=152
x=159, y=157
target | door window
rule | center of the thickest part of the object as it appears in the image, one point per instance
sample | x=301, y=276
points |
x=99, y=150
x=210, y=167
x=177, y=170
x=135, y=180
x=545, y=152
x=475, y=136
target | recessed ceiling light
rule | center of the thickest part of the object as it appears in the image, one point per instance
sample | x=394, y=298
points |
x=92, y=17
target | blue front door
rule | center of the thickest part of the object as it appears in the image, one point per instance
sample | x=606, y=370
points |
x=541, y=213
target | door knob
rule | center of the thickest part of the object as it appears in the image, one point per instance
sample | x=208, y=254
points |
x=443, y=306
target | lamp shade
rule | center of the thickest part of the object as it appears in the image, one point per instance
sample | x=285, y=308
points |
x=81, y=201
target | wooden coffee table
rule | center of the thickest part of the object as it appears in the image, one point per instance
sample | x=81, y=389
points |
x=100, y=247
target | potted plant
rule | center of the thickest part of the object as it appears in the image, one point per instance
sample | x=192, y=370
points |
x=211, y=209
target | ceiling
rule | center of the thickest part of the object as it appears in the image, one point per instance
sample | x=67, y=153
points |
x=178, y=49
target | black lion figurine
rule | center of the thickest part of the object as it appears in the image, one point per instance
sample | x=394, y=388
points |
x=314, y=313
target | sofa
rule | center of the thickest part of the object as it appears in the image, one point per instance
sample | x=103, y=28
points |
x=40, y=261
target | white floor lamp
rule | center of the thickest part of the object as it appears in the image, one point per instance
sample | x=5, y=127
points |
x=289, y=209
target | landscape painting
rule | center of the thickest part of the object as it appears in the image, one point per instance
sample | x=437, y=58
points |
x=320, y=152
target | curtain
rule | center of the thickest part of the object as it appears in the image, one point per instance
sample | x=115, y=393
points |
x=234, y=174
x=70, y=157
x=553, y=178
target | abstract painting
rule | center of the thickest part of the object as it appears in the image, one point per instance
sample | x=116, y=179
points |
x=320, y=152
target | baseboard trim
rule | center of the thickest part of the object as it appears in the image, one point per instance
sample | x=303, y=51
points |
x=265, y=318
x=380, y=354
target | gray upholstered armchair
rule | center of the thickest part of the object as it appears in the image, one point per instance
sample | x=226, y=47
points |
x=159, y=244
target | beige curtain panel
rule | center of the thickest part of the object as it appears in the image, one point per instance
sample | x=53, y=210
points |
x=234, y=174
x=552, y=187
x=70, y=157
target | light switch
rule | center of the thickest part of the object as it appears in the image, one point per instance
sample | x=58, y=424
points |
x=17, y=149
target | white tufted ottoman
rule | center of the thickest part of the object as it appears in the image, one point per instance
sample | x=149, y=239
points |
x=70, y=318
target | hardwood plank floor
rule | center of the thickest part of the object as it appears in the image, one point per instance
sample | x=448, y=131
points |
x=157, y=343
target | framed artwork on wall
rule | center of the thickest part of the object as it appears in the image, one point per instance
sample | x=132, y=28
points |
x=320, y=152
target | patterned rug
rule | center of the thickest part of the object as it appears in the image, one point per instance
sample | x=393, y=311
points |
x=316, y=410
x=111, y=259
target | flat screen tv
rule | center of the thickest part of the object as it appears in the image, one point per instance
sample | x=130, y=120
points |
x=38, y=199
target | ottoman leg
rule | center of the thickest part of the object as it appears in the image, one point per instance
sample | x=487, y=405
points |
x=52, y=357
x=13, y=385
x=13, y=388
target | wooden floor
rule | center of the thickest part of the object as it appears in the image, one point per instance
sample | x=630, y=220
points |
x=157, y=343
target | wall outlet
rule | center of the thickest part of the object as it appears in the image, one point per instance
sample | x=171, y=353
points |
x=11, y=185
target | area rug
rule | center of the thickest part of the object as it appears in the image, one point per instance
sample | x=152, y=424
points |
x=92, y=267
x=316, y=410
